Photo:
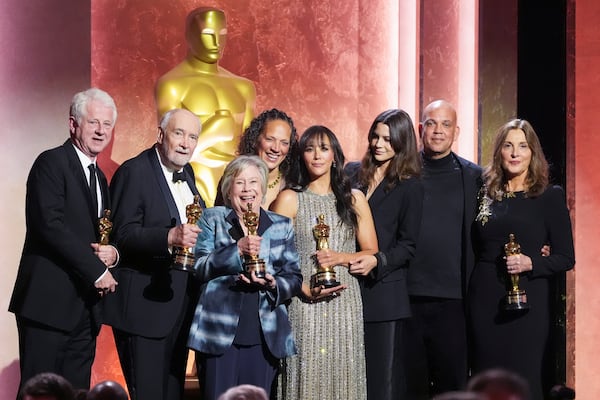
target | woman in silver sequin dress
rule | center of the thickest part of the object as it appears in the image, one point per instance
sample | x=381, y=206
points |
x=327, y=322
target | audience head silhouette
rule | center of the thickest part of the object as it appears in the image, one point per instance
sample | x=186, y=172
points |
x=499, y=384
x=47, y=386
x=244, y=392
x=107, y=390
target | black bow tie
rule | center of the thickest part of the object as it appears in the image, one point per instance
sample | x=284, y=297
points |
x=178, y=176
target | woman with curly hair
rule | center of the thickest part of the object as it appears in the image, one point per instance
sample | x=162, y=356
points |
x=327, y=320
x=516, y=200
x=271, y=136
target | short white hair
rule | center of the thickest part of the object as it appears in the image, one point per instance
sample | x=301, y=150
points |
x=80, y=101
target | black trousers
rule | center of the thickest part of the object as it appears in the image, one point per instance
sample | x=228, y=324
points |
x=436, y=347
x=154, y=368
x=239, y=365
x=386, y=377
x=46, y=349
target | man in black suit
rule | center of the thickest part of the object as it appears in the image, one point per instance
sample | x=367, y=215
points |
x=151, y=313
x=63, y=271
x=439, y=273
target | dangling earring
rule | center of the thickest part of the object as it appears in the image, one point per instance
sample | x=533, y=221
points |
x=333, y=165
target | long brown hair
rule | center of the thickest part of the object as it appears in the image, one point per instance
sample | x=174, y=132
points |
x=406, y=162
x=536, y=180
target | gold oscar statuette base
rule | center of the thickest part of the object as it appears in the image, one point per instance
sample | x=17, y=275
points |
x=325, y=278
x=183, y=260
x=516, y=300
x=255, y=265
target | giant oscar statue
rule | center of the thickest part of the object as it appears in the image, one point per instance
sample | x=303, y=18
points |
x=224, y=102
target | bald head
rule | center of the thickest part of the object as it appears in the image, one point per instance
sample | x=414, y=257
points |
x=439, y=129
x=107, y=390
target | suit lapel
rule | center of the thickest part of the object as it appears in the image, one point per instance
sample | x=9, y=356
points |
x=104, y=190
x=264, y=222
x=378, y=195
x=469, y=190
x=77, y=168
x=162, y=184
x=188, y=172
x=235, y=231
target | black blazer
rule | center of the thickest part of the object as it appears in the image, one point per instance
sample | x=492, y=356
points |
x=397, y=217
x=150, y=296
x=472, y=182
x=58, y=268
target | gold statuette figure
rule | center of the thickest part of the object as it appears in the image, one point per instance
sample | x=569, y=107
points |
x=325, y=276
x=105, y=227
x=183, y=257
x=516, y=298
x=224, y=102
x=253, y=262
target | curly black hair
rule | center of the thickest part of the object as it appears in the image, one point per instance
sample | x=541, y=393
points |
x=249, y=138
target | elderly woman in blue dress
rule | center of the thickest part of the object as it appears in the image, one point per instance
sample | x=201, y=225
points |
x=241, y=328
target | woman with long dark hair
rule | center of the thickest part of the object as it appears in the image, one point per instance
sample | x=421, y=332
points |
x=327, y=321
x=389, y=176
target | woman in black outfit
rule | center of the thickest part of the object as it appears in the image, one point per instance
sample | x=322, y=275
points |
x=516, y=199
x=388, y=175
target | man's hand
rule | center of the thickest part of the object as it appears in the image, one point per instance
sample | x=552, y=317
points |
x=107, y=284
x=106, y=253
x=184, y=235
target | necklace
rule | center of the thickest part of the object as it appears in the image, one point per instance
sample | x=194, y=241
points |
x=508, y=193
x=275, y=182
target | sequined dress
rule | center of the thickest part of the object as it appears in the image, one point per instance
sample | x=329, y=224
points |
x=330, y=363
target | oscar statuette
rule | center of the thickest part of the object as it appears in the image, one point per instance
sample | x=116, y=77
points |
x=516, y=298
x=325, y=276
x=183, y=257
x=104, y=227
x=252, y=262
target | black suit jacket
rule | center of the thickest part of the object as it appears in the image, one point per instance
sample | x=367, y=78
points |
x=150, y=296
x=58, y=268
x=397, y=217
x=472, y=182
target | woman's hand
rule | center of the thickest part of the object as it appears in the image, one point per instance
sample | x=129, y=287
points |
x=249, y=245
x=328, y=258
x=321, y=293
x=268, y=282
x=518, y=263
x=363, y=265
